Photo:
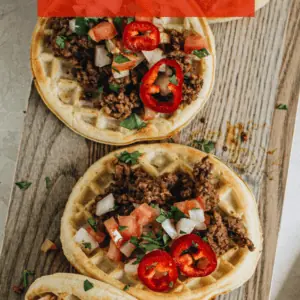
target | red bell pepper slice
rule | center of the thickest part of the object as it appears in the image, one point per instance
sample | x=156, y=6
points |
x=148, y=88
x=141, y=35
x=193, y=256
x=158, y=271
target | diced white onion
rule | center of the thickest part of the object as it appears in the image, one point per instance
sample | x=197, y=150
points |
x=185, y=226
x=120, y=74
x=82, y=236
x=111, y=47
x=101, y=58
x=127, y=249
x=164, y=38
x=72, y=25
x=153, y=56
x=197, y=215
x=130, y=268
x=105, y=205
x=169, y=228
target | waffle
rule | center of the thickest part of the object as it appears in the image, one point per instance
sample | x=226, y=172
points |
x=71, y=287
x=61, y=93
x=234, y=267
x=258, y=5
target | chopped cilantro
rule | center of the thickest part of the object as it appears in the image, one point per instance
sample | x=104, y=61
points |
x=133, y=122
x=182, y=232
x=92, y=222
x=23, y=185
x=26, y=273
x=87, y=285
x=138, y=259
x=118, y=22
x=130, y=20
x=171, y=284
x=201, y=53
x=204, y=145
x=173, y=79
x=87, y=245
x=135, y=241
x=81, y=26
x=177, y=214
x=48, y=182
x=129, y=158
x=205, y=239
x=60, y=41
x=120, y=59
x=100, y=89
x=114, y=87
x=282, y=106
x=126, y=287
x=122, y=228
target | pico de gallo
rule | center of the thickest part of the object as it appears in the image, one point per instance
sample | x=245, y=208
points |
x=162, y=227
x=131, y=68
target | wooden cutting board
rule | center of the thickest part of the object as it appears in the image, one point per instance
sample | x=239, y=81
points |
x=258, y=68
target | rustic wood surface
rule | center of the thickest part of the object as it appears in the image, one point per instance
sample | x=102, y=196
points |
x=258, y=67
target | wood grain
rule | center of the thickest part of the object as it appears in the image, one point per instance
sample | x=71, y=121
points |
x=258, y=66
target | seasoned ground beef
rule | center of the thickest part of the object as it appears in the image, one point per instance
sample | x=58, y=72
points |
x=237, y=232
x=79, y=50
x=132, y=185
x=217, y=235
x=204, y=187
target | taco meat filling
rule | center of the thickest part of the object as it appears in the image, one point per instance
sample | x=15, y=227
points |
x=140, y=213
x=110, y=62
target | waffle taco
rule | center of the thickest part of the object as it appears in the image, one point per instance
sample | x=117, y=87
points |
x=112, y=86
x=164, y=221
x=62, y=286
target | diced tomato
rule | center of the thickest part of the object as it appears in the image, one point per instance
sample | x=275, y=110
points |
x=132, y=227
x=149, y=114
x=113, y=252
x=112, y=228
x=103, y=31
x=98, y=236
x=201, y=202
x=187, y=205
x=145, y=214
x=194, y=42
x=147, y=19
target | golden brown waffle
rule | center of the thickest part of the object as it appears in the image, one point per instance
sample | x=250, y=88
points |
x=61, y=93
x=234, y=267
x=71, y=287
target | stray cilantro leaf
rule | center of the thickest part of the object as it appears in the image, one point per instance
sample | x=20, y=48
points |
x=166, y=239
x=92, y=222
x=114, y=87
x=87, y=285
x=126, y=287
x=48, y=182
x=87, y=245
x=81, y=26
x=120, y=59
x=129, y=158
x=282, y=106
x=23, y=185
x=26, y=273
x=149, y=247
x=201, y=53
x=182, y=232
x=100, y=89
x=60, y=41
x=94, y=19
x=173, y=79
x=122, y=228
x=205, y=239
x=130, y=20
x=177, y=214
x=204, y=145
x=133, y=122
x=171, y=284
